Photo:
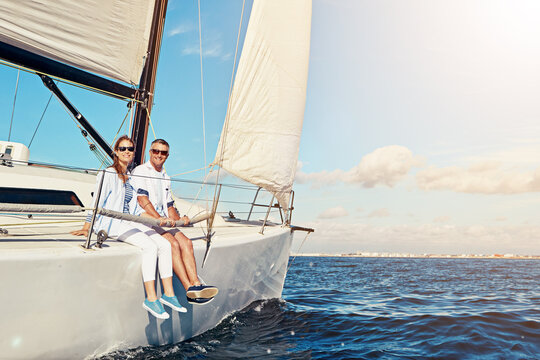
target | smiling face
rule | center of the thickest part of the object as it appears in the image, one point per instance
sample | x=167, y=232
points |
x=125, y=156
x=158, y=154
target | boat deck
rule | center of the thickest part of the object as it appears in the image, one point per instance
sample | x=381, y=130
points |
x=53, y=232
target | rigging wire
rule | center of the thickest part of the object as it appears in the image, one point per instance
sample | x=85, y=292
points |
x=14, y=101
x=202, y=85
x=154, y=133
x=202, y=103
x=39, y=123
x=116, y=135
x=226, y=125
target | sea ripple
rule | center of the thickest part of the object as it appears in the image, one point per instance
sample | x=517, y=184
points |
x=381, y=308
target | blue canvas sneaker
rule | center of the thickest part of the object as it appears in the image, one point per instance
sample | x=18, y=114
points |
x=155, y=308
x=201, y=291
x=172, y=302
x=199, y=301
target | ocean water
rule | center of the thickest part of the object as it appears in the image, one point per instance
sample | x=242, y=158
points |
x=381, y=308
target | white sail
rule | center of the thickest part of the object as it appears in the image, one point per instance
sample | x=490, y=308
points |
x=261, y=136
x=106, y=37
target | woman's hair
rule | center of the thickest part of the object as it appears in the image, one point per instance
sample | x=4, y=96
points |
x=116, y=163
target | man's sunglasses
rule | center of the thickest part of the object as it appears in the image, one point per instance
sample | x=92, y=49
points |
x=128, y=148
x=162, y=152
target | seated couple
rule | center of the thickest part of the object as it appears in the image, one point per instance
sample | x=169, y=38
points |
x=147, y=193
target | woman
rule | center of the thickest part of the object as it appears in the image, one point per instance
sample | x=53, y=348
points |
x=117, y=195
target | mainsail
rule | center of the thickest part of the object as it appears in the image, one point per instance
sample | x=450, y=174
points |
x=261, y=136
x=105, y=37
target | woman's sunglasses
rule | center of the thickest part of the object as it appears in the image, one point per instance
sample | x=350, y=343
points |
x=162, y=152
x=128, y=148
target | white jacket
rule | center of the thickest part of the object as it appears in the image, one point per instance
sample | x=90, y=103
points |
x=112, y=198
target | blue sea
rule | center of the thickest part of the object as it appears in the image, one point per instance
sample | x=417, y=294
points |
x=381, y=308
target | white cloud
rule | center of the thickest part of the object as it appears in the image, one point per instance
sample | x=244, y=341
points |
x=379, y=213
x=384, y=166
x=213, y=50
x=525, y=155
x=334, y=237
x=212, y=47
x=334, y=212
x=180, y=29
x=441, y=219
x=485, y=177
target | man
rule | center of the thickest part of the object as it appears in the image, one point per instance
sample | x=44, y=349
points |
x=153, y=187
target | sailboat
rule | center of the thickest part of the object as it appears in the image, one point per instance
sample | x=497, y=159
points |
x=64, y=299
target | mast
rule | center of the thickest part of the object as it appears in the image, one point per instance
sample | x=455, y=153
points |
x=146, y=86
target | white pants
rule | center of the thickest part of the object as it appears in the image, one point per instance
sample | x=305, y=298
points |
x=153, y=246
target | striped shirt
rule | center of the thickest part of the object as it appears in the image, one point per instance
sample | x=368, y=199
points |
x=128, y=196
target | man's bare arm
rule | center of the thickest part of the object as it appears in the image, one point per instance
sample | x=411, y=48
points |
x=150, y=211
x=173, y=214
x=147, y=206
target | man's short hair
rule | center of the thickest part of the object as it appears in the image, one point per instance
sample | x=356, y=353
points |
x=160, y=141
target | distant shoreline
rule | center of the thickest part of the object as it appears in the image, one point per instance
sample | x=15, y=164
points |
x=426, y=256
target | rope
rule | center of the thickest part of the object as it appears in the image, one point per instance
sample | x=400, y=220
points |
x=297, y=251
x=14, y=101
x=39, y=123
x=191, y=171
x=150, y=122
x=44, y=223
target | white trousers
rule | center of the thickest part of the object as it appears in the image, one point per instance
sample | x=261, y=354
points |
x=155, y=249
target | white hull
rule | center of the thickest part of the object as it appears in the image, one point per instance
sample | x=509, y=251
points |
x=60, y=301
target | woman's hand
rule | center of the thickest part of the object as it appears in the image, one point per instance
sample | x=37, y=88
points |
x=83, y=231
x=80, y=232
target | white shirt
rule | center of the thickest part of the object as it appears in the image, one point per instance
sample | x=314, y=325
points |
x=156, y=185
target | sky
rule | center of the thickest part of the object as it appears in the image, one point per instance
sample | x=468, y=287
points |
x=421, y=129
